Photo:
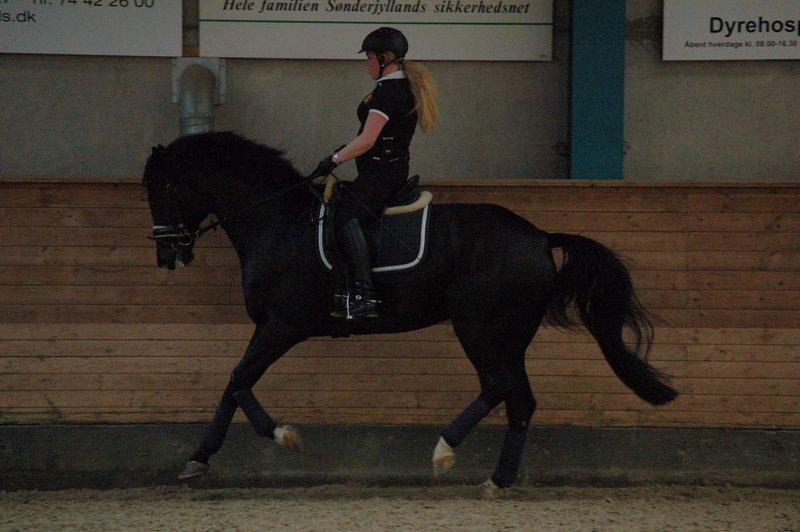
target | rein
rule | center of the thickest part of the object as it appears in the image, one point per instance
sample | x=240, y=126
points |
x=185, y=238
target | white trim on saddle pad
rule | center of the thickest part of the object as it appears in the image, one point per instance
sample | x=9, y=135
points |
x=420, y=253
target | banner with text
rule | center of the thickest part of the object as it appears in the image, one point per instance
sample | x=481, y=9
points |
x=731, y=29
x=92, y=27
x=487, y=30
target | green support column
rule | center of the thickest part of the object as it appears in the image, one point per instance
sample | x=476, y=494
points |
x=598, y=89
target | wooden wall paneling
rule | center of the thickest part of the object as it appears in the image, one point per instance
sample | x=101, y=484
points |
x=91, y=331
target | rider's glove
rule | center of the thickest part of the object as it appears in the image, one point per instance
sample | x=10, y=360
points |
x=325, y=166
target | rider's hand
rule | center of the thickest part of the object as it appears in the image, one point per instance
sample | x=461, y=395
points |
x=325, y=166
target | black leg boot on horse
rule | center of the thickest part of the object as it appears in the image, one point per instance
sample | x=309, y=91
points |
x=361, y=301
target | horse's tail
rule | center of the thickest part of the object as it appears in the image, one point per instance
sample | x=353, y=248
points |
x=598, y=283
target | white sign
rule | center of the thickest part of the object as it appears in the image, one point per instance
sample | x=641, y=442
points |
x=731, y=29
x=92, y=27
x=506, y=30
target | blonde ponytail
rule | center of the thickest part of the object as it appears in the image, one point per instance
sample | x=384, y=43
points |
x=424, y=91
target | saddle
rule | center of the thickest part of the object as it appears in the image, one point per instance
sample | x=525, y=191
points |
x=398, y=241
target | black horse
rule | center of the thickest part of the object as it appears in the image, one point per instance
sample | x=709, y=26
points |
x=489, y=271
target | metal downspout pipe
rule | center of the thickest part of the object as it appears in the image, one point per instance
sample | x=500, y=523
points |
x=196, y=100
x=198, y=85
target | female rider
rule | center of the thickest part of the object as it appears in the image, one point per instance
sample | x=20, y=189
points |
x=402, y=98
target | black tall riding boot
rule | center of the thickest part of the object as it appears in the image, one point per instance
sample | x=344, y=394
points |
x=361, y=302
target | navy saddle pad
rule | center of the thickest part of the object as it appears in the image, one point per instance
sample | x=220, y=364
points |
x=398, y=242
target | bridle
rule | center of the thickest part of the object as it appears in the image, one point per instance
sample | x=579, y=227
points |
x=179, y=237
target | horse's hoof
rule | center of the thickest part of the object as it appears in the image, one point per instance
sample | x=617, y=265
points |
x=443, y=458
x=193, y=469
x=489, y=489
x=286, y=436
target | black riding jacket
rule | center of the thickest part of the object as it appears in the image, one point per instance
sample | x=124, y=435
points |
x=392, y=98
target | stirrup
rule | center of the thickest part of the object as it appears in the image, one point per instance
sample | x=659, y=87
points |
x=356, y=306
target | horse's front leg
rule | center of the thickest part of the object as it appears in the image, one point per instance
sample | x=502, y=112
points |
x=268, y=344
x=214, y=435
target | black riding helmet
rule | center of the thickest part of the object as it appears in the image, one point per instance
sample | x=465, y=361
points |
x=386, y=40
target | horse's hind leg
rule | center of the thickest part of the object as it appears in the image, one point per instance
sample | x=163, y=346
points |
x=482, y=353
x=520, y=403
x=497, y=351
x=268, y=344
x=476, y=337
x=520, y=406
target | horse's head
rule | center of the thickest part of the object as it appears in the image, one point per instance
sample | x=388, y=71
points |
x=176, y=209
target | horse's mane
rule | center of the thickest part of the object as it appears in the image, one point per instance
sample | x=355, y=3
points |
x=226, y=153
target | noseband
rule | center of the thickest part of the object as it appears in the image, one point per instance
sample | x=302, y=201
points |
x=178, y=236
x=174, y=236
